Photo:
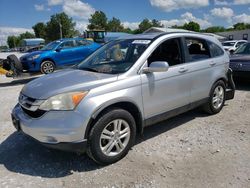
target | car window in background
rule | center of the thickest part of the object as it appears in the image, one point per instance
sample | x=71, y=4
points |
x=51, y=45
x=228, y=43
x=115, y=57
x=215, y=50
x=67, y=44
x=243, y=49
x=83, y=42
x=240, y=43
x=198, y=49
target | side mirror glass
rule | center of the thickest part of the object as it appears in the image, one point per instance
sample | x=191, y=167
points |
x=156, y=66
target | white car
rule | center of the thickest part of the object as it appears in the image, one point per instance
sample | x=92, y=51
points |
x=232, y=45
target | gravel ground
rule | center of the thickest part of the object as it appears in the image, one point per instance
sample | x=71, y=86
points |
x=190, y=150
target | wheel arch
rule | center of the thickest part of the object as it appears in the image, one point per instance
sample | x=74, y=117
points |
x=129, y=106
x=47, y=59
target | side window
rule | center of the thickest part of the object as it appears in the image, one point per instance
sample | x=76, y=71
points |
x=67, y=44
x=215, y=49
x=169, y=51
x=197, y=49
x=83, y=42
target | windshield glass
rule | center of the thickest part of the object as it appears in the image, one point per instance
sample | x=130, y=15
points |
x=243, y=49
x=51, y=45
x=115, y=57
x=228, y=43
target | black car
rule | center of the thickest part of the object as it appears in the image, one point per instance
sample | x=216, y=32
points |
x=240, y=61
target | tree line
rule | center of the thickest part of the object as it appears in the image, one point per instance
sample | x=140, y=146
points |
x=51, y=30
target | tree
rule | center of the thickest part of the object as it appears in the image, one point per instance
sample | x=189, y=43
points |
x=214, y=29
x=144, y=25
x=40, y=30
x=13, y=41
x=192, y=26
x=115, y=25
x=60, y=20
x=156, y=23
x=241, y=26
x=26, y=35
x=98, y=20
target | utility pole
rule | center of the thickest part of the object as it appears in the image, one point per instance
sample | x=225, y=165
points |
x=60, y=26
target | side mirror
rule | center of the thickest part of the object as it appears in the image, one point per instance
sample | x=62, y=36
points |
x=58, y=49
x=156, y=66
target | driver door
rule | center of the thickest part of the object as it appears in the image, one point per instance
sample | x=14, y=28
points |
x=65, y=54
x=164, y=92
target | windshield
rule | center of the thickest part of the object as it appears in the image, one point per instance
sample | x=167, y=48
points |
x=243, y=49
x=228, y=43
x=115, y=57
x=51, y=45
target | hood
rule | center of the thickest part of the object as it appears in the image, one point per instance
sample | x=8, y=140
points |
x=32, y=54
x=239, y=58
x=65, y=81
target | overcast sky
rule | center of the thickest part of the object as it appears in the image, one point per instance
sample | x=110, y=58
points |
x=17, y=16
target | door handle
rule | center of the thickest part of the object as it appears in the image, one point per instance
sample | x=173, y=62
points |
x=212, y=63
x=183, y=69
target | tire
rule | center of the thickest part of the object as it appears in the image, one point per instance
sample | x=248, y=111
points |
x=15, y=62
x=47, y=67
x=216, y=99
x=105, y=145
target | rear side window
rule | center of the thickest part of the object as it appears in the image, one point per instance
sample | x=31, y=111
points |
x=83, y=42
x=215, y=49
x=197, y=49
x=67, y=44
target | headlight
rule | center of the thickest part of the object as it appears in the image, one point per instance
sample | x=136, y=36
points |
x=65, y=101
x=34, y=57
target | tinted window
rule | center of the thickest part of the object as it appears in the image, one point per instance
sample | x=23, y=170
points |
x=243, y=49
x=67, y=44
x=215, y=49
x=168, y=51
x=198, y=49
x=83, y=42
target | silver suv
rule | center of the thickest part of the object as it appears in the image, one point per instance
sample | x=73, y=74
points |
x=101, y=104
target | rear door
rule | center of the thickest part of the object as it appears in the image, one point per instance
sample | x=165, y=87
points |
x=83, y=49
x=201, y=66
x=166, y=91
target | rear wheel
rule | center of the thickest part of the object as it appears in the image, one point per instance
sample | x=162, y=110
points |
x=111, y=136
x=47, y=67
x=217, y=98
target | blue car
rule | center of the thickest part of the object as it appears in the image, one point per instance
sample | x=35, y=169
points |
x=59, y=53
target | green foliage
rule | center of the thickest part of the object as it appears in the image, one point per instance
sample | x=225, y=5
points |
x=13, y=41
x=214, y=29
x=115, y=25
x=146, y=24
x=241, y=26
x=98, y=20
x=26, y=35
x=53, y=27
x=40, y=30
x=192, y=26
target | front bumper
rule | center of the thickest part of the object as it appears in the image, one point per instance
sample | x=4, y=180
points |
x=62, y=130
x=32, y=66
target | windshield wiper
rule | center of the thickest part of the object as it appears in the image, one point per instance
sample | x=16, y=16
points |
x=88, y=69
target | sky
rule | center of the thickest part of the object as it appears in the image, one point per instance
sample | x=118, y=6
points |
x=18, y=16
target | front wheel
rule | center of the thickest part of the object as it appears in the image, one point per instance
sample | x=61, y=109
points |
x=111, y=136
x=217, y=98
x=47, y=67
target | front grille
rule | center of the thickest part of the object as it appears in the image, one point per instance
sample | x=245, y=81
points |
x=34, y=114
x=31, y=106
